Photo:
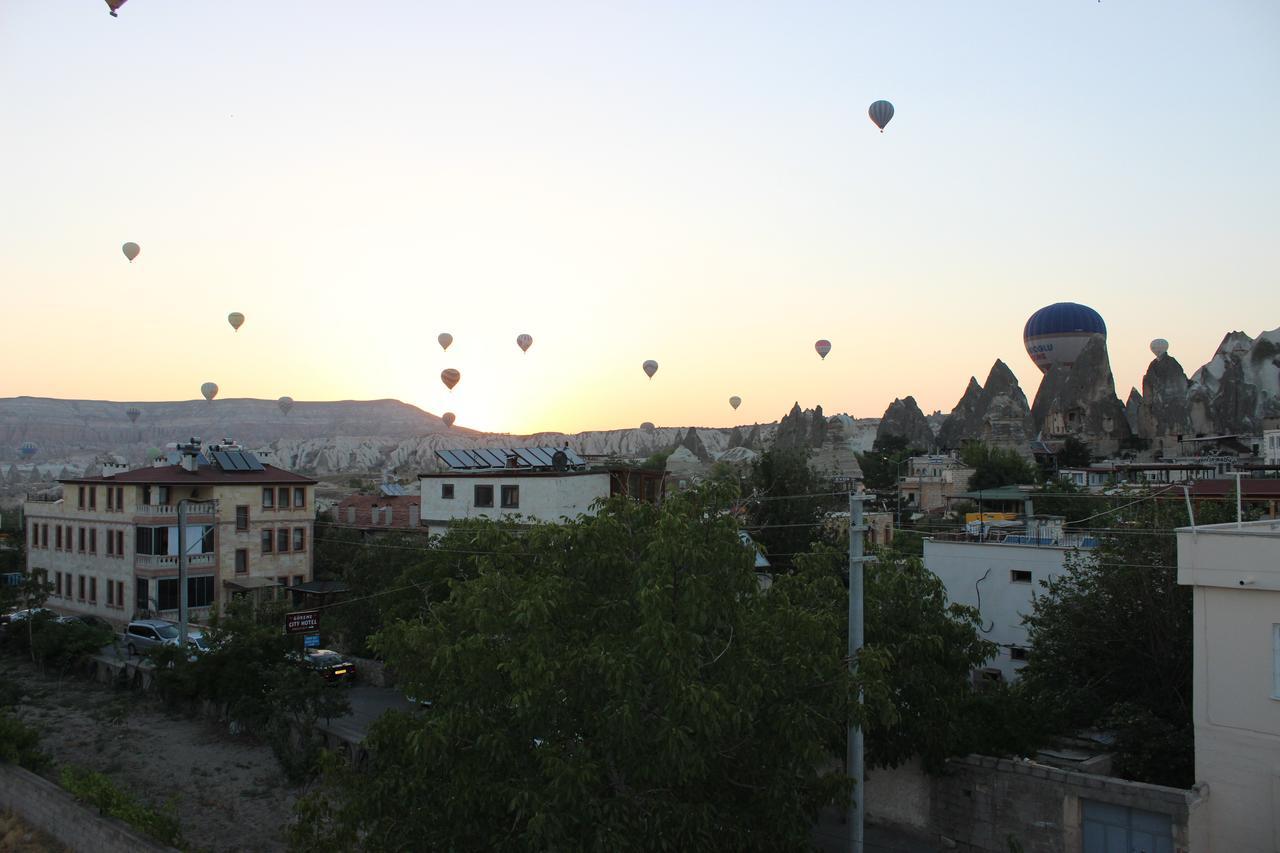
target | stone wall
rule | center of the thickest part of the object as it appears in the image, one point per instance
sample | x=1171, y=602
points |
x=994, y=805
x=47, y=807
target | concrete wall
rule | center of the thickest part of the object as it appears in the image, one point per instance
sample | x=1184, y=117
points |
x=542, y=497
x=47, y=807
x=982, y=803
x=983, y=570
x=1236, y=708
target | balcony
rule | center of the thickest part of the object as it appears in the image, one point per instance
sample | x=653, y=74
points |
x=167, y=511
x=170, y=561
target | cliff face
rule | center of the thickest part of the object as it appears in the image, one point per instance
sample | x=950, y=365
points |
x=995, y=412
x=1081, y=401
x=904, y=418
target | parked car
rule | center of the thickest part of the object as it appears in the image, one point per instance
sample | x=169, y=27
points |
x=145, y=634
x=10, y=621
x=333, y=666
x=87, y=619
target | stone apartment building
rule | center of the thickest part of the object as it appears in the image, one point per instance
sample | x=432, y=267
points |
x=109, y=545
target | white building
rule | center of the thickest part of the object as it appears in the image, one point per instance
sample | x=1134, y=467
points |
x=1271, y=446
x=999, y=572
x=1235, y=573
x=524, y=483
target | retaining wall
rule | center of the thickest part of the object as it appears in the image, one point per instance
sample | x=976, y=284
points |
x=47, y=807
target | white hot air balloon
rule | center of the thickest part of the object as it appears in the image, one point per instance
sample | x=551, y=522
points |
x=1159, y=347
x=650, y=367
x=130, y=250
x=209, y=390
x=236, y=319
x=735, y=401
x=445, y=339
x=450, y=377
x=448, y=418
x=524, y=342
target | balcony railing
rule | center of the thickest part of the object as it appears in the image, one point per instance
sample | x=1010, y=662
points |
x=171, y=510
x=170, y=561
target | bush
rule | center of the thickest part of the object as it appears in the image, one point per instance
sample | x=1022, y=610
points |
x=99, y=791
x=19, y=743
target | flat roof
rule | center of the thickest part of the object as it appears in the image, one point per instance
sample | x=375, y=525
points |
x=170, y=475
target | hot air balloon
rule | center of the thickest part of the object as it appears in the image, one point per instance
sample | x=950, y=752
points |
x=285, y=404
x=445, y=339
x=154, y=453
x=450, y=377
x=113, y=5
x=524, y=342
x=1159, y=347
x=131, y=250
x=822, y=347
x=209, y=390
x=236, y=319
x=881, y=112
x=132, y=414
x=647, y=425
x=448, y=418
x=1057, y=333
x=650, y=367
x=735, y=401
x=28, y=449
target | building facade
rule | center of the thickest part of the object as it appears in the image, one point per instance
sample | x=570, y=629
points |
x=109, y=545
x=932, y=481
x=999, y=572
x=1234, y=572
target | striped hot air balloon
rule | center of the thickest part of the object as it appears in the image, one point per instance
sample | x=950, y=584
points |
x=881, y=112
x=822, y=347
x=450, y=376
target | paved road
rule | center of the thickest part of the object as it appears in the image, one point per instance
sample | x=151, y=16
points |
x=367, y=704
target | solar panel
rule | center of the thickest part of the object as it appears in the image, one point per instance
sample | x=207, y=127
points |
x=235, y=460
x=251, y=459
x=493, y=459
x=529, y=456
x=484, y=458
x=393, y=490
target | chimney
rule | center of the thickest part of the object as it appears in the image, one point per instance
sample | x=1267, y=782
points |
x=190, y=454
x=110, y=469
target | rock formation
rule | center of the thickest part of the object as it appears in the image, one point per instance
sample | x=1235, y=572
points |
x=904, y=418
x=801, y=428
x=1081, y=400
x=996, y=413
x=1239, y=386
x=1133, y=410
x=1164, y=411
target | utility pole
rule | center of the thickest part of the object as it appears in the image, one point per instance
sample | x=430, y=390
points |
x=854, y=755
x=182, y=572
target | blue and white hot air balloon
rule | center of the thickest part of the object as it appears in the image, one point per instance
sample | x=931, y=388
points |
x=1057, y=333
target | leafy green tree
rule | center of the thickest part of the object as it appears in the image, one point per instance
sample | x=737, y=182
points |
x=881, y=467
x=619, y=682
x=1111, y=642
x=1074, y=453
x=995, y=467
x=788, y=502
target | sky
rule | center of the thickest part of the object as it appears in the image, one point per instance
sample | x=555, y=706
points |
x=696, y=183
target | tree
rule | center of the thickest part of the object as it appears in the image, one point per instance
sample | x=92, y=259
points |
x=1074, y=453
x=788, y=502
x=617, y=682
x=994, y=467
x=880, y=467
x=1111, y=642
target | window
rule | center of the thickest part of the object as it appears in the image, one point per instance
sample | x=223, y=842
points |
x=242, y=517
x=119, y=543
x=510, y=497
x=200, y=591
x=267, y=538
x=81, y=540
x=282, y=540
x=35, y=535
x=111, y=542
x=167, y=594
x=446, y=491
x=111, y=588
x=93, y=497
x=1018, y=653
x=119, y=498
x=282, y=500
x=93, y=590
x=484, y=495
x=58, y=531
x=44, y=536
x=119, y=593
x=299, y=497
x=298, y=579
x=93, y=540
x=299, y=538
x=242, y=561
x=81, y=577
x=1019, y=576
x=111, y=499
x=268, y=498
x=140, y=595
x=283, y=580
x=80, y=500
x=57, y=581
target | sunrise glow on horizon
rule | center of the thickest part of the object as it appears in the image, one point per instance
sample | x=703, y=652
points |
x=696, y=185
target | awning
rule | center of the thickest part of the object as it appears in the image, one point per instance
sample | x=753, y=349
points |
x=250, y=583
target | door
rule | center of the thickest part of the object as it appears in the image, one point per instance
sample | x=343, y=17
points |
x=1119, y=829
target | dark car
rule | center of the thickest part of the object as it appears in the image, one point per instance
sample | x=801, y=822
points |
x=87, y=619
x=331, y=665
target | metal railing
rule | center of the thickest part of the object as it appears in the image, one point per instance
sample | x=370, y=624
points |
x=170, y=561
x=206, y=508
